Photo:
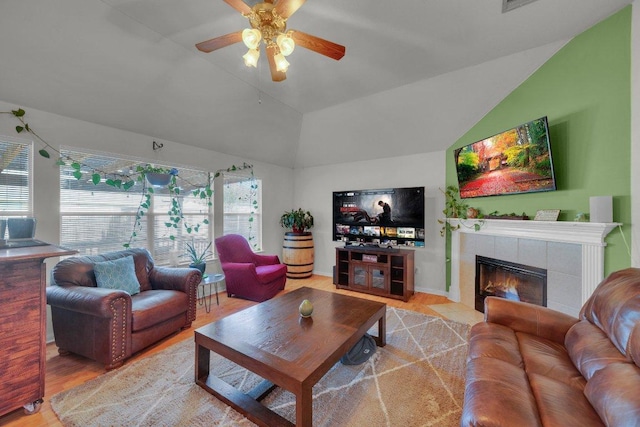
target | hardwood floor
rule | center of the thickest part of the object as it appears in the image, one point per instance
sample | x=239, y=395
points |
x=63, y=373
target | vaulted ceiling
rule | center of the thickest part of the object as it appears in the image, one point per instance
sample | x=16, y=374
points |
x=132, y=65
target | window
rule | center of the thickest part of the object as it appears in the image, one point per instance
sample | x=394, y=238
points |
x=243, y=207
x=100, y=218
x=16, y=160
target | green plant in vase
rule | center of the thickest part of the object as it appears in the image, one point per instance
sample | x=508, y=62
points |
x=298, y=221
x=198, y=258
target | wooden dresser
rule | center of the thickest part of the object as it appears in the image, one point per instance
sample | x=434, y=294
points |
x=23, y=325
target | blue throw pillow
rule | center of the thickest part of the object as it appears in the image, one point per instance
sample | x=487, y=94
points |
x=117, y=274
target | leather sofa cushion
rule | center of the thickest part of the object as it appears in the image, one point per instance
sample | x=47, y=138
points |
x=498, y=394
x=269, y=273
x=561, y=404
x=590, y=349
x=496, y=341
x=548, y=358
x=613, y=392
x=152, y=307
x=615, y=306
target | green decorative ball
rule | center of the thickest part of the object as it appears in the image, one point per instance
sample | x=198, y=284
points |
x=306, y=308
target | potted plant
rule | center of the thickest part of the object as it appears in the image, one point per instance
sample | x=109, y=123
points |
x=297, y=249
x=198, y=258
x=158, y=177
x=298, y=221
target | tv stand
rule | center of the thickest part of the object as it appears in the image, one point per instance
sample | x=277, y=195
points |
x=376, y=271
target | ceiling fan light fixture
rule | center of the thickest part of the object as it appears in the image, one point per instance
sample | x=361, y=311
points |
x=251, y=37
x=286, y=44
x=282, y=64
x=251, y=58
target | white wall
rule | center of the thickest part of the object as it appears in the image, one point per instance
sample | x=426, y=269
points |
x=58, y=130
x=314, y=189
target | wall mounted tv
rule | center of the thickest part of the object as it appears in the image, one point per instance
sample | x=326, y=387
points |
x=515, y=161
x=384, y=217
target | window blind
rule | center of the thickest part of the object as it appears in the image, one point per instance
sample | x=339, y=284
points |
x=243, y=208
x=15, y=178
x=100, y=218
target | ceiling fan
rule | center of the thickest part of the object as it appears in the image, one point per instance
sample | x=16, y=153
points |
x=269, y=24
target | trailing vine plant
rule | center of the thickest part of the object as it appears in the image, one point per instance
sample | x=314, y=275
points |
x=125, y=181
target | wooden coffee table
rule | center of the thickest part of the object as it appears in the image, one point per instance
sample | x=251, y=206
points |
x=272, y=340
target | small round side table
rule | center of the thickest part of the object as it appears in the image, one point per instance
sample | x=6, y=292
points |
x=211, y=279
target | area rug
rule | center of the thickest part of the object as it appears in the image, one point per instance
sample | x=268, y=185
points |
x=417, y=379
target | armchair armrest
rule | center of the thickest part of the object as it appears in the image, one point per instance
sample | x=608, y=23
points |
x=97, y=302
x=175, y=279
x=266, y=259
x=242, y=272
x=178, y=279
x=529, y=318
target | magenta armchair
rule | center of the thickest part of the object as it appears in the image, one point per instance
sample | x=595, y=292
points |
x=249, y=275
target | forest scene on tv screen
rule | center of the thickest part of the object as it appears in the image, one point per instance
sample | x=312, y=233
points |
x=383, y=217
x=515, y=161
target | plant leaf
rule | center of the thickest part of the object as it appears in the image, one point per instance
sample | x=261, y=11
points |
x=127, y=185
x=19, y=129
x=95, y=178
x=110, y=182
x=18, y=113
x=77, y=175
x=44, y=153
x=77, y=166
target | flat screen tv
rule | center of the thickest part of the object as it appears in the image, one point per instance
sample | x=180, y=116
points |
x=385, y=217
x=515, y=161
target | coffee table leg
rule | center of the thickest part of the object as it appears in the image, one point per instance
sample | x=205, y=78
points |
x=382, y=331
x=304, y=408
x=203, y=356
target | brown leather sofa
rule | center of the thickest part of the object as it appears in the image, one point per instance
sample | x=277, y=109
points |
x=109, y=325
x=532, y=366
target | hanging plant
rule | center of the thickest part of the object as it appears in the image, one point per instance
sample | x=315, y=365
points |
x=126, y=181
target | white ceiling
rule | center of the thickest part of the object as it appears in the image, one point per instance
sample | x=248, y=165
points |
x=132, y=64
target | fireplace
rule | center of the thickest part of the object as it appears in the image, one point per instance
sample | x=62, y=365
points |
x=509, y=280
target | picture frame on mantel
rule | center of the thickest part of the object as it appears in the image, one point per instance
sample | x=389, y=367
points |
x=547, y=215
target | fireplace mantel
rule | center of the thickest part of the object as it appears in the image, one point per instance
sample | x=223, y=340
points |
x=581, y=233
x=589, y=235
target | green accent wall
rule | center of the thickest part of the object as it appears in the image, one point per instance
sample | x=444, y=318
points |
x=585, y=91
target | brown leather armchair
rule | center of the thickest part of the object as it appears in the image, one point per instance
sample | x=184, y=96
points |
x=109, y=325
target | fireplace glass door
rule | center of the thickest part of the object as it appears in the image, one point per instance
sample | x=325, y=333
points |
x=509, y=280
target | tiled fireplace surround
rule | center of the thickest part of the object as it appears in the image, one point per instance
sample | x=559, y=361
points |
x=571, y=252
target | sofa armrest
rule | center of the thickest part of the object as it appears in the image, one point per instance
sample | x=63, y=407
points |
x=97, y=302
x=529, y=318
x=175, y=279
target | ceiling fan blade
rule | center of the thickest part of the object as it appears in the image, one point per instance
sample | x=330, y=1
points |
x=220, y=42
x=239, y=5
x=276, y=76
x=316, y=44
x=286, y=8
